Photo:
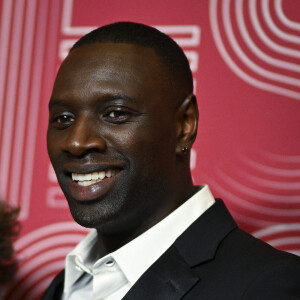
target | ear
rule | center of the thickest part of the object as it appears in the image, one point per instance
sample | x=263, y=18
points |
x=186, y=122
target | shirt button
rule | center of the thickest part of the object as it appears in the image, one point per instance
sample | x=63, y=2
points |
x=78, y=268
x=110, y=263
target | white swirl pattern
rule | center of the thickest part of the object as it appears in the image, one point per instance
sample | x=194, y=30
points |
x=272, y=26
x=280, y=14
x=42, y=255
x=256, y=73
x=247, y=187
x=283, y=236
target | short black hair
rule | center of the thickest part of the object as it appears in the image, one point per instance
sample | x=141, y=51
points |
x=171, y=55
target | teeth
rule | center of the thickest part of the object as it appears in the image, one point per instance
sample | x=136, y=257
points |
x=91, y=178
x=81, y=177
x=101, y=174
x=95, y=176
x=84, y=183
x=84, y=177
x=75, y=176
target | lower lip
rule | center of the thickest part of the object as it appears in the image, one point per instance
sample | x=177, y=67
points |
x=93, y=191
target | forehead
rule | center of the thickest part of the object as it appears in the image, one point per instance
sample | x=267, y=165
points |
x=131, y=68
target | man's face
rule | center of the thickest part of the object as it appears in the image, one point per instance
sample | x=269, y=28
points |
x=111, y=136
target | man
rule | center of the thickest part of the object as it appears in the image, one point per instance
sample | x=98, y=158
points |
x=122, y=121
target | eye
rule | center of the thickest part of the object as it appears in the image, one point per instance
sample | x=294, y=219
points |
x=116, y=114
x=119, y=115
x=63, y=120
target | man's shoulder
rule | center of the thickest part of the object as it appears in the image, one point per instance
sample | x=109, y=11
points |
x=244, y=252
x=267, y=272
x=244, y=247
x=247, y=268
x=217, y=237
x=242, y=266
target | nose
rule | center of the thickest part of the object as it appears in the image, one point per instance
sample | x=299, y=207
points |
x=83, y=137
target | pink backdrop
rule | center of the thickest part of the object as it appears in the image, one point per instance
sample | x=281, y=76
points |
x=245, y=57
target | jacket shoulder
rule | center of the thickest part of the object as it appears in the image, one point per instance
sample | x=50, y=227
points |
x=247, y=268
x=55, y=289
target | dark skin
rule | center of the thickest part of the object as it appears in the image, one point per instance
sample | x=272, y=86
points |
x=113, y=108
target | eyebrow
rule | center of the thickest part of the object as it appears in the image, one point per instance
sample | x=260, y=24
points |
x=56, y=102
x=108, y=97
x=119, y=96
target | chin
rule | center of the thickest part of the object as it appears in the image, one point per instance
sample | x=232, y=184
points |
x=96, y=215
x=86, y=221
x=88, y=217
x=116, y=222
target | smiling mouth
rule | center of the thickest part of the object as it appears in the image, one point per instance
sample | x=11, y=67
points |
x=91, y=178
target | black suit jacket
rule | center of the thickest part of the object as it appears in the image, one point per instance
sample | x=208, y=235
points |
x=214, y=259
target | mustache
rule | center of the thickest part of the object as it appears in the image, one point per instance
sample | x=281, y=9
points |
x=94, y=157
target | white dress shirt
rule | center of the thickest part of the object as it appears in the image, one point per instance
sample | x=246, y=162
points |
x=111, y=277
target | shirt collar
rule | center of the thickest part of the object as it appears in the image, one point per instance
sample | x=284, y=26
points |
x=81, y=256
x=137, y=256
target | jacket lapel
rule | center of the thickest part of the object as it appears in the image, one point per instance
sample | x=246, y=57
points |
x=172, y=276
x=168, y=278
x=199, y=243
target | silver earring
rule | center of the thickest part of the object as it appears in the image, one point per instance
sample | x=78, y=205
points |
x=184, y=150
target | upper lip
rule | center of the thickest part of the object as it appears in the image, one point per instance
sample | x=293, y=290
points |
x=90, y=167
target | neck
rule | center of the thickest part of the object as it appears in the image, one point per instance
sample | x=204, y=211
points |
x=110, y=242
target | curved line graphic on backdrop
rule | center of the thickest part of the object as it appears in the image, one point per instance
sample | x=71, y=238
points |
x=39, y=264
x=254, y=207
x=246, y=189
x=290, y=236
x=293, y=159
x=250, y=220
x=282, y=17
x=265, y=197
x=265, y=39
x=47, y=230
x=281, y=228
x=249, y=206
x=58, y=239
x=263, y=182
x=226, y=57
x=285, y=241
x=272, y=26
x=238, y=51
x=240, y=217
x=34, y=291
x=42, y=254
x=251, y=45
x=282, y=177
x=269, y=170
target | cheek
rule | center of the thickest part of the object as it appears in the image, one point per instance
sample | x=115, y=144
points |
x=146, y=145
x=53, y=146
x=134, y=142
